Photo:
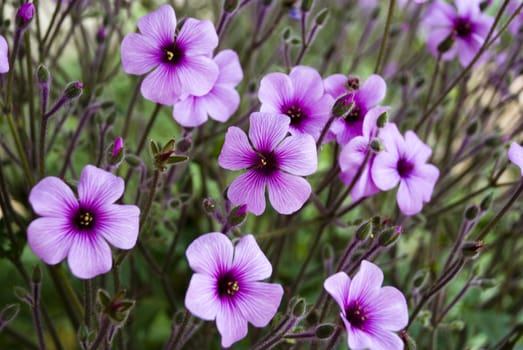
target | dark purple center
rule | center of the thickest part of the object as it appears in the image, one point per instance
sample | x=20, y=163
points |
x=84, y=219
x=462, y=27
x=172, y=54
x=228, y=285
x=404, y=167
x=267, y=163
x=296, y=113
x=354, y=116
x=357, y=315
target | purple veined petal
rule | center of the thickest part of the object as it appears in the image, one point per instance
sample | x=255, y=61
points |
x=386, y=340
x=249, y=261
x=372, y=92
x=139, y=54
x=318, y=113
x=210, y=253
x=307, y=82
x=52, y=197
x=439, y=14
x=287, y=193
x=409, y=198
x=365, y=185
x=467, y=49
x=99, y=187
x=190, y=112
x=423, y=178
x=159, y=25
x=259, y=302
x=236, y=152
x=384, y=171
x=89, y=256
x=162, y=85
x=267, y=130
x=515, y=155
x=366, y=283
x=249, y=189
x=231, y=325
x=4, y=60
x=119, y=225
x=297, y=155
x=370, y=127
x=230, y=69
x=50, y=238
x=335, y=85
x=275, y=91
x=197, y=75
x=419, y=152
x=389, y=309
x=338, y=286
x=197, y=37
x=357, y=338
x=392, y=140
x=483, y=24
x=201, y=298
x=351, y=157
x=467, y=7
x=222, y=102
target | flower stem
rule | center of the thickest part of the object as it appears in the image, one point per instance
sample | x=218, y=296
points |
x=390, y=12
x=35, y=309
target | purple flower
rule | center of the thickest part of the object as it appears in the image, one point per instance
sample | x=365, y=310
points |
x=364, y=98
x=25, y=14
x=299, y=95
x=466, y=24
x=219, y=103
x=271, y=158
x=405, y=161
x=515, y=155
x=226, y=287
x=371, y=313
x=354, y=153
x=183, y=61
x=4, y=57
x=516, y=26
x=81, y=228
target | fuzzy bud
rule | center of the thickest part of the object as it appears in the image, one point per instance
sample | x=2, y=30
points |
x=352, y=83
x=306, y=5
x=410, y=344
x=184, y=145
x=298, y=307
x=321, y=17
x=342, y=105
x=486, y=202
x=25, y=14
x=446, y=44
x=43, y=75
x=389, y=236
x=324, y=331
x=230, y=5
x=286, y=34
x=209, y=205
x=73, y=90
x=471, y=212
x=376, y=145
x=487, y=283
x=420, y=278
x=237, y=215
x=472, y=128
x=364, y=230
x=101, y=35
x=383, y=119
x=472, y=249
x=133, y=160
x=8, y=314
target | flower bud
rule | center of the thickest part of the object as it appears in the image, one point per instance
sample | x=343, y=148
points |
x=446, y=44
x=298, y=307
x=133, y=160
x=209, y=205
x=23, y=295
x=352, y=83
x=8, y=314
x=376, y=145
x=472, y=249
x=306, y=5
x=375, y=12
x=73, y=90
x=237, y=215
x=25, y=14
x=230, y=5
x=382, y=120
x=101, y=34
x=487, y=283
x=321, y=17
x=364, y=230
x=36, y=277
x=472, y=128
x=389, y=236
x=184, y=145
x=342, y=105
x=471, y=212
x=286, y=34
x=324, y=331
x=117, y=146
x=486, y=202
x=43, y=75
x=410, y=344
x=420, y=278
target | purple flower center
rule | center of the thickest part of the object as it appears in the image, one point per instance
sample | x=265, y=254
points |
x=83, y=219
x=267, y=163
x=404, y=167
x=355, y=115
x=172, y=54
x=462, y=27
x=228, y=285
x=296, y=113
x=357, y=315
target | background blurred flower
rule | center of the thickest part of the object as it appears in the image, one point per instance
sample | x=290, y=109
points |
x=4, y=57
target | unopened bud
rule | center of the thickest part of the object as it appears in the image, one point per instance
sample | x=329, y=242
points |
x=298, y=307
x=8, y=314
x=25, y=15
x=494, y=141
x=420, y=278
x=376, y=145
x=117, y=147
x=324, y=331
x=446, y=44
x=410, y=344
x=209, y=205
x=484, y=4
x=23, y=295
x=36, y=277
x=184, y=145
x=383, y=119
x=389, y=236
x=133, y=160
x=352, y=83
x=286, y=33
x=306, y=5
x=472, y=249
x=42, y=74
x=230, y=5
x=375, y=12
x=73, y=90
x=101, y=34
x=364, y=230
x=471, y=212
x=237, y=215
x=486, y=202
x=472, y=128
x=321, y=17
x=342, y=105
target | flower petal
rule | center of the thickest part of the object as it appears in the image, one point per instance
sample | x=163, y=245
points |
x=335, y=85
x=162, y=85
x=210, y=253
x=370, y=127
x=231, y=325
x=197, y=37
x=259, y=302
x=390, y=310
x=338, y=286
x=201, y=299
x=190, y=112
x=231, y=72
x=89, y=256
x=119, y=225
x=236, y=152
x=409, y=198
x=50, y=238
x=419, y=152
x=297, y=155
x=4, y=61
x=467, y=49
x=426, y=176
x=196, y=75
x=249, y=189
x=98, y=187
x=267, y=130
x=307, y=83
x=275, y=91
x=287, y=193
x=515, y=155
x=357, y=338
x=52, y=197
x=249, y=262
x=221, y=102
x=384, y=171
x=386, y=340
x=139, y=54
x=159, y=25
x=372, y=92
x=366, y=283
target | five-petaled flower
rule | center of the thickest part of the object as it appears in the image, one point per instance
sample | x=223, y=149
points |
x=182, y=60
x=371, y=313
x=80, y=228
x=226, y=285
x=271, y=158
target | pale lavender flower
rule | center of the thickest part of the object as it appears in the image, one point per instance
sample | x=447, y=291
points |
x=363, y=98
x=515, y=155
x=4, y=57
x=225, y=286
x=371, y=313
x=272, y=159
x=300, y=96
x=516, y=26
x=181, y=61
x=405, y=161
x=465, y=24
x=81, y=228
x=354, y=153
x=219, y=103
